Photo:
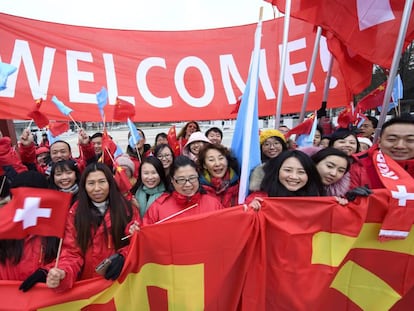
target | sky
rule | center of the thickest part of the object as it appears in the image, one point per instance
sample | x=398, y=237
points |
x=142, y=14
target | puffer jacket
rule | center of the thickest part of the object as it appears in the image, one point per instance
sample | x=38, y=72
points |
x=228, y=190
x=169, y=204
x=79, y=266
x=10, y=163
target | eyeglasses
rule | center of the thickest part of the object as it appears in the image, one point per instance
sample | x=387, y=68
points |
x=162, y=156
x=183, y=180
x=271, y=144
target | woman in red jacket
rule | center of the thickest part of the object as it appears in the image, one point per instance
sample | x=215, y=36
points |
x=96, y=225
x=219, y=176
x=186, y=198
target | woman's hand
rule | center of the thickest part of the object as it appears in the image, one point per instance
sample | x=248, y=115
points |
x=342, y=201
x=54, y=277
x=256, y=204
x=134, y=227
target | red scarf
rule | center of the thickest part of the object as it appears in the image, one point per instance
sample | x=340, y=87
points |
x=400, y=216
x=184, y=201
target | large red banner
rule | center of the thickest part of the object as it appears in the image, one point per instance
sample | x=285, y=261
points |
x=294, y=254
x=167, y=75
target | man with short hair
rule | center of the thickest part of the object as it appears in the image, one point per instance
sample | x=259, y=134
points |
x=394, y=151
x=367, y=129
x=215, y=135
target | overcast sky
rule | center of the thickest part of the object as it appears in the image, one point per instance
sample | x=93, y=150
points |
x=142, y=14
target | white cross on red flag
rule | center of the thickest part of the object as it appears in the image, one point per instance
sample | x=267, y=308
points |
x=34, y=211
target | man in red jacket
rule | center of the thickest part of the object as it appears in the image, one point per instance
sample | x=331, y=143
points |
x=395, y=150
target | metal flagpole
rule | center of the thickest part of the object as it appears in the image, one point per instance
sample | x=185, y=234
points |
x=394, y=65
x=327, y=80
x=286, y=23
x=310, y=74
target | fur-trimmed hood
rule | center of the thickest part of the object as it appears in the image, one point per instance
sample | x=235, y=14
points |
x=256, y=178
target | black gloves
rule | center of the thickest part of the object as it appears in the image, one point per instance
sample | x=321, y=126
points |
x=358, y=192
x=39, y=276
x=115, y=267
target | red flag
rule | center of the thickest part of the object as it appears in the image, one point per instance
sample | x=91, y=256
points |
x=122, y=179
x=374, y=99
x=107, y=142
x=123, y=110
x=173, y=141
x=356, y=69
x=303, y=128
x=34, y=211
x=368, y=27
x=346, y=117
x=38, y=117
x=237, y=106
x=57, y=128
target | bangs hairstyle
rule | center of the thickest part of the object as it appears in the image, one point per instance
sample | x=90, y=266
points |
x=330, y=151
x=231, y=160
x=64, y=165
x=157, y=164
x=274, y=188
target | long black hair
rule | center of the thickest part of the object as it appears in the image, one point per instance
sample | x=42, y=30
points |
x=274, y=188
x=88, y=218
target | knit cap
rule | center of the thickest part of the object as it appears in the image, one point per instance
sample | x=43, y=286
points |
x=364, y=140
x=265, y=134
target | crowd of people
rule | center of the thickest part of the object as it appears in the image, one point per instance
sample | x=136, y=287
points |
x=167, y=182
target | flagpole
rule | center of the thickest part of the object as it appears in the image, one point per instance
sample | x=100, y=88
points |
x=58, y=252
x=394, y=65
x=310, y=74
x=328, y=80
x=286, y=23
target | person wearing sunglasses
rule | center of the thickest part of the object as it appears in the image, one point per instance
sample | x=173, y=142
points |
x=185, y=197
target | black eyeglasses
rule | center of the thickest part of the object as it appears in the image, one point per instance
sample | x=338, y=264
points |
x=183, y=180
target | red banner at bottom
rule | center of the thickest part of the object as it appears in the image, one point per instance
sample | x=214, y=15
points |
x=294, y=254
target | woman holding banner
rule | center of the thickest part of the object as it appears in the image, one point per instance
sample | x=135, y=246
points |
x=186, y=198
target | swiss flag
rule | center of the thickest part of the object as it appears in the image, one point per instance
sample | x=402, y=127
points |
x=34, y=211
x=368, y=27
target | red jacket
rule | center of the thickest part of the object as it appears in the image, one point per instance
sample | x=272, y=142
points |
x=10, y=162
x=87, y=152
x=32, y=259
x=363, y=171
x=169, y=204
x=78, y=266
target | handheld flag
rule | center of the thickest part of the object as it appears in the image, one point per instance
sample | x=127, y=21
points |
x=373, y=99
x=135, y=137
x=57, y=128
x=102, y=99
x=173, y=141
x=245, y=144
x=123, y=110
x=61, y=106
x=5, y=71
x=302, y=129
x=34, y=211
x=306, y=140
x=38, y=117
x=51, y=138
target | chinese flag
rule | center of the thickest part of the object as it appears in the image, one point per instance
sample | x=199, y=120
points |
x=303, y=128
x=123, y=110
x=121, y=179
x=38, y=117
x=108, y=144
x=368, y=27
x=346, y=117
x=57, y=128
x=373, y=99
x=34, y=211
x=172, y=140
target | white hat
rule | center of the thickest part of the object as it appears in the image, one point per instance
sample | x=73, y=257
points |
x=364, y=140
